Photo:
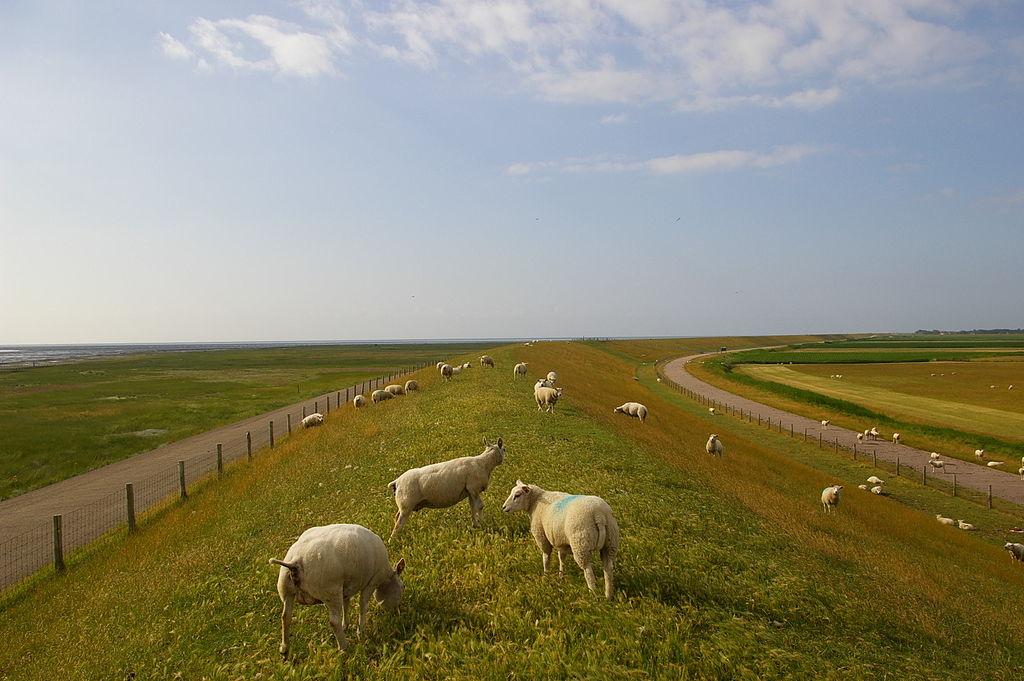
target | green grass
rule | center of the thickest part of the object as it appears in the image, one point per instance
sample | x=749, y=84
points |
x=811, y=356
x=728, y=568
x=61, y=420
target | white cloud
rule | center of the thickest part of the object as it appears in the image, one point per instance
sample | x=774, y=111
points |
x=694, y=55
x=702, y=162
x=172, y=47
x=614, y=119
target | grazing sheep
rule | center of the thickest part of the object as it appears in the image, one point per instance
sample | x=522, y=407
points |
x=313, y=420
x=867, y=434
x=965, y=526
x=936, y=463
x=711, y=410
x=824, y=425
x=395, y=389
x=875, y=480
x=863, y=487
x=1020, y=471
x=329, y=565
x=860, y=436
x=379, y=396
x=634, y=409
x=411, y=385
x=714, y=446
x=895, y=438
x=546, y=398
x=447, y=371
x=1016, y=550
x=874, y=433
x=439, y=365
x=944, y=521
x=979, y=453
x=543, y=383
x=487, y=361
x=993, y=464
x=519, y=370
x=552, y=376
x=933, y=455
x=445, y=484
x=830, y=497
x=358, y=401
x=466, y=365
x=457, y=370
x=877, y=489
x=570, y=523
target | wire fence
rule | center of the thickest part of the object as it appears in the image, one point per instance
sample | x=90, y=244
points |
x=47, y=545
x=927, y=475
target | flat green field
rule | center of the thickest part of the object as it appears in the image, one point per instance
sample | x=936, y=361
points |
x=58, y=421
x=727, y=569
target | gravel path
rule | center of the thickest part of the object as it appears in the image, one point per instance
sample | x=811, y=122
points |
x=1004, y=485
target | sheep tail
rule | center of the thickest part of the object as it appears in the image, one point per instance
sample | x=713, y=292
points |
x=393, y=487
x=602, y=531
x=292, y=567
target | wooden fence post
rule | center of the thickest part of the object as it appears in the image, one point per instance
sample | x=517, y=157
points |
x=220, y=460
x=924, y=474
x=874, y=458
x=271, y=434
x=954, y=484
x=897, y=465
x=328, y=405
x=791, y=430
x=58, y=544
x=303, y=415
x=819, y=440
x=836, y=450
x=181, y=480
x=316, y=407
x=990, y=496
x=129, y=505
x=758, y=419
x=248, y=445
x=290, y=420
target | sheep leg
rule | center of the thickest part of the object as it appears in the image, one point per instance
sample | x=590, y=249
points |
x=286, y=625
x=476, y=506
x=608, y=563
x=364, y=602
x=563, y=552
x=400, y=519
x=583, y=560
x=339, y=616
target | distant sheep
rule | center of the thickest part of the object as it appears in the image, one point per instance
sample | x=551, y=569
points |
x=546, y=398
x=445, y=484
x=570, y=523
x=455, y=371
x=711, y=410
x=933, y=455
x=979, y=453
x=1015, y=550
x=313, y=420
x=466, y=365
x=379, y=396
x=874, y=433
x=519, y=370
x=552, y=376
x=965, y=526
x=824, y=425
x=395, y=389
x=411, y=386
x=358, y=401
x=945, y=521
x=895, y=438
x=439, y=365
x=875, y=480
x=863, y=487
x=830, y=497
x=543, y=383
x=860, y=436
x=634, y=409
x=329, y=565
x=1020, y=471
x=994, y=464
x=937, y=463
x=447, y=371
x=487, y=361
x=877, y=489
x=714, y=446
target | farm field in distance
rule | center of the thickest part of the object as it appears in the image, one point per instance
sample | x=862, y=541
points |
x=64, y=419
x=727, y=567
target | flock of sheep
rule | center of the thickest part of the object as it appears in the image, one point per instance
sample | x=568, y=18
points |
x=330, y=564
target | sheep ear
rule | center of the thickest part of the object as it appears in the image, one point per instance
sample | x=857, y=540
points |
x=400, y=568
x=520, y=483
x=501, y=443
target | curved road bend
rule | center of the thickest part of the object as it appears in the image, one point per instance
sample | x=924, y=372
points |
x=1004, y=485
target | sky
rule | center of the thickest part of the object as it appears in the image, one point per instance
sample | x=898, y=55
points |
x=345, y=169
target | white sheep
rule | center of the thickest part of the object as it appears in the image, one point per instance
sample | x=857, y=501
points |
x=634, y=409
x=379, y=396
x=824, y=425
x=965, y=526
x=552, y=376
x=439, y=365
x=1020, y=471
x=1010, y=387
x=944, y=521
x=711, y=410
x=877, y=489
x=395, y=389
x=937, y=463
x=570, y=523
x=447, y=371
x=994, y=464
x=874, y=433
x=714, y=446
x=895, y=438
x=519, y=370
x=1016, y=550
x=860, y=436
x=358, y=401
x=830, y=497
x=466, y=365
x=313, y=420
x=933, y=455
x=875, y=480
x=486, y=361
x=863, y=487
x=329, y=565
x=411, y=385
x=445, y=484
x=979, y=453
x=543, y=383
x=546, y=398
x=455, y=371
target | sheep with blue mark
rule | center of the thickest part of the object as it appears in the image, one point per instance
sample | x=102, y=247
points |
x=570, y=523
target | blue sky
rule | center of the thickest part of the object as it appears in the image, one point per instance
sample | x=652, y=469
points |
x=343, y=170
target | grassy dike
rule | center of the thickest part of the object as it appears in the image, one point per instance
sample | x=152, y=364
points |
x=728, y=568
